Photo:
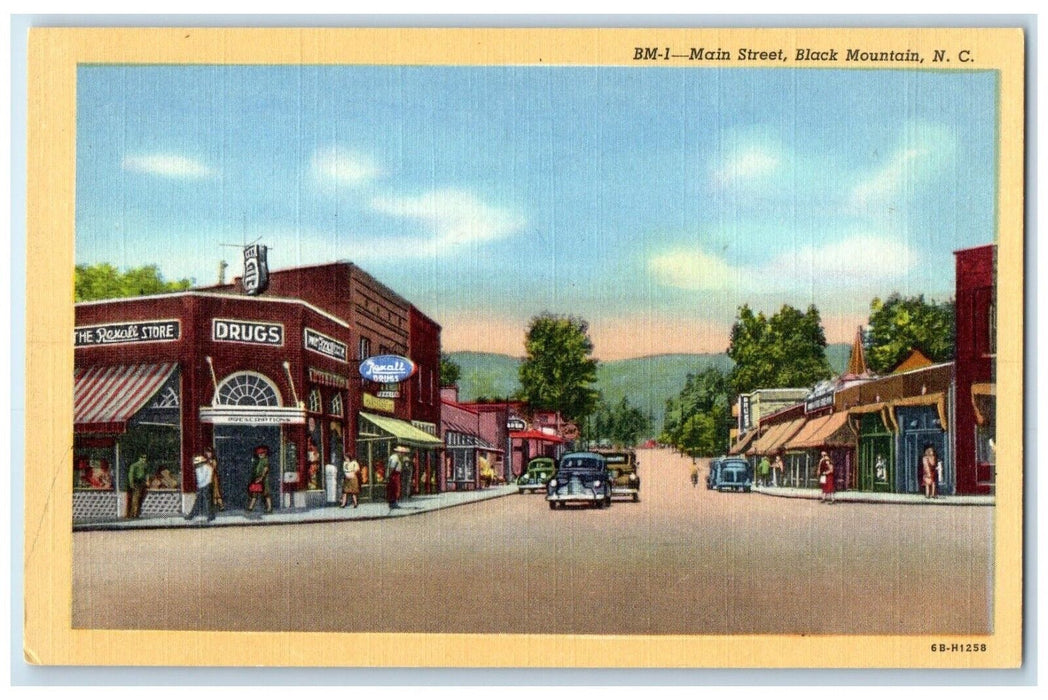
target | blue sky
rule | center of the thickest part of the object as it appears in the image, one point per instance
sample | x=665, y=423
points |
x=650, y=201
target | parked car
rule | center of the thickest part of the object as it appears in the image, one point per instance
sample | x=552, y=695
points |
x=622, y=470
x=536, y=475
x=730, y=474
x=581, y=477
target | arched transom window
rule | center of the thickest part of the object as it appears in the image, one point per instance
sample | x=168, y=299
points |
x=247, y=389
x=336, y=405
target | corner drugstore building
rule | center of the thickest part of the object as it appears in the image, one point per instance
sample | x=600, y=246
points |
x=166, y=376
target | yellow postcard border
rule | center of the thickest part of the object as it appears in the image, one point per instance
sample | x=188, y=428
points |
x=54, y=54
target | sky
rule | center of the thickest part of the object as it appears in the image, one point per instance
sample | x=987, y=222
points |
x=650, y=202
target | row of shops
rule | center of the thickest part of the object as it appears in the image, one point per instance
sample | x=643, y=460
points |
x=877, y=429
x=305, y=366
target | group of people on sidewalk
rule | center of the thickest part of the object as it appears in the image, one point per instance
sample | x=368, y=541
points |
x=771, y=473
x=209, y=492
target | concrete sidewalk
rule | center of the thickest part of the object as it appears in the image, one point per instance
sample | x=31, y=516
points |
x=915, y=499
x=415, y=505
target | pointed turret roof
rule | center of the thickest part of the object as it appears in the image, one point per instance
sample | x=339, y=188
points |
x=857, y=362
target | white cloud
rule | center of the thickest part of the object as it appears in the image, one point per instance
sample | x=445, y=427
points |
x=693, y=269
x=889, y=181
x=334, y=166
x=855, y=262
x=451, y=218
x=745, y=164
x=167, y=165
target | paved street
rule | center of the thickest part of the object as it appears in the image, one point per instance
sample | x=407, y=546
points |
x=683, y=560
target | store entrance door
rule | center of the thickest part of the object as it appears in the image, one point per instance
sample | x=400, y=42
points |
x=235, y=449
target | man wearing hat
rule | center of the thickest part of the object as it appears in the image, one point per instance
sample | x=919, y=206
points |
x=394, y=468
x=259, y=486
x=204, y=474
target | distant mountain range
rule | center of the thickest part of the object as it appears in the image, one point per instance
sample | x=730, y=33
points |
x=646, y=381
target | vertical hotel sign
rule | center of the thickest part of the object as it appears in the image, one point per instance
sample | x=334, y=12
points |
x=256, y=269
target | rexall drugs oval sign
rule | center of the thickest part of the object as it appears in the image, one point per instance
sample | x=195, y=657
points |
x=387, y=369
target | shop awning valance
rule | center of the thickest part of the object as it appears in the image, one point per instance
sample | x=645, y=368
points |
x=772, y=442
x=106, y=398
x=804, y=437
x=740, y=446
x=827, y=431
x=535, y=435
x=402, y=431
x=984, y=399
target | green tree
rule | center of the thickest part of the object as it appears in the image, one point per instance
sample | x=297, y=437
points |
x=449, y=370
x=104, y=281
x=899, y=325
x=698, y=420
x=558, y=372
x=787, y=350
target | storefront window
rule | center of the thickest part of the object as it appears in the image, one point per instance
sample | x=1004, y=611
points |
x=984, y=445
x=314, y=442
x=337, y=408
x=93, y=465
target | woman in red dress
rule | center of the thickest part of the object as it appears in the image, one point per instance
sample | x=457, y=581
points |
x=826, y=478
x=929, y=472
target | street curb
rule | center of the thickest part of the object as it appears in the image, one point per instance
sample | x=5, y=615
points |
x=894, y=499
x=314, y=516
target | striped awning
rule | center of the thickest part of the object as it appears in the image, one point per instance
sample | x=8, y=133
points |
x=106, y=398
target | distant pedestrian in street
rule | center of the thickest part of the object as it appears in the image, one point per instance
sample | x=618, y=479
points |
x=204, y=488
x=137, y=483
x=694, y=473
x=394, y=467
x=778, y=470
x=350, y=481
x=930, y=471
x=216, y=487
x=764, y=470
x=259, y=485
x=826, y=478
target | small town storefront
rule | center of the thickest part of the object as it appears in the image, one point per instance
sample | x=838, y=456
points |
x=897, y=418
x=830, y=433
x=376, y=439
x=122, y=412
x=160, y=379
x=528, y=444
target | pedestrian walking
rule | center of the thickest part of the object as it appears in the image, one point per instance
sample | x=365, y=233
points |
x=137, y=483
x=350, y=481
x=204, y=473
x=778, y=469
x=694, y=474
x=394, y=467
x=826, y=478
x=216, y=486
x=259, y=485
x=764, y=470
x=930, y=472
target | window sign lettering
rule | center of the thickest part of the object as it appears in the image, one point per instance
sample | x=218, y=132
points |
x=320, y=343
x=130, y=332
x=255, y=332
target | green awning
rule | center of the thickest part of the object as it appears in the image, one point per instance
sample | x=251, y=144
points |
x=402, y=431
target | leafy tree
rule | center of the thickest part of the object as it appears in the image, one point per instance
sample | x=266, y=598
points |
x=449, y=370
x=104, y=281
x=900, y=325
x=787, y=350
x=558, y=373
x=698, y=420
x=622, y=424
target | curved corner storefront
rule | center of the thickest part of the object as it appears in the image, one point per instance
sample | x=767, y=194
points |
x=248, y=413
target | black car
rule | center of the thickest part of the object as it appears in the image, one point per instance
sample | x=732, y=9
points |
x=581, y=477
